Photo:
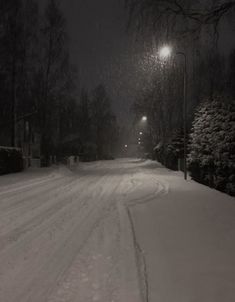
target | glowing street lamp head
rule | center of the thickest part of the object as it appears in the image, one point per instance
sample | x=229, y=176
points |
x=126, y=146
x=165, y=52
x=141, y=133
x=144, y=118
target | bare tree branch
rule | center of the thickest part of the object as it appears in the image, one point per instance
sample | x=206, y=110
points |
x=151, y=12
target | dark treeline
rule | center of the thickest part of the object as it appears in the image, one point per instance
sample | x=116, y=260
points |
x=194, y=29
x=41, y=109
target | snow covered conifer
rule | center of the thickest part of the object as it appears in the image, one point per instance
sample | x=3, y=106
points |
x=212, y=145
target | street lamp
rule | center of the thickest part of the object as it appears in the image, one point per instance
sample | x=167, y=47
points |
x=164, y=53
x=144, y=118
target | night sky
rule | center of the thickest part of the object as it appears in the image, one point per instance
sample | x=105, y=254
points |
x=104, y=52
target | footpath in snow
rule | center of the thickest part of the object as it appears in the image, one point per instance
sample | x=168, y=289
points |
x=114, y=231
x=188, y=236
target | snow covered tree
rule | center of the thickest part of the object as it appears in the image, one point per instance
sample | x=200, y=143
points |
x=168, y=153
x=212, y=147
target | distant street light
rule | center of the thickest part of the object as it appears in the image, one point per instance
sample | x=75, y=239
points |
x=140, y=133
x=164, y=53
x=144, y=118
x=126, y=146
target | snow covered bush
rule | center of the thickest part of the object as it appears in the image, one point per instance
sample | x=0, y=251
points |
x=175, y=150
x=212, y=145
x=159, y=152
x=169, y=153
x=11, y=160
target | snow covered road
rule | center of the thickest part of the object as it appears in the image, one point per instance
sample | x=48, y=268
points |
x=114, y=231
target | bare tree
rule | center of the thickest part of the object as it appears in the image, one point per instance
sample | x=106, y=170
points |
x=103, y=122
x=85, y=117
x=162, y=103
x=18, y=21
x=55, y=72
x=168, y=13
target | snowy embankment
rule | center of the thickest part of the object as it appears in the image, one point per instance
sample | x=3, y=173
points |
x=114, y=231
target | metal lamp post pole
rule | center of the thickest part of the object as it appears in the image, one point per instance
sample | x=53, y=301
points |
x=185, y=113
x=164, y=53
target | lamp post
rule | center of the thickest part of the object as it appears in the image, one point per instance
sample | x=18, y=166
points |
x=164, y=53
x=185, y=112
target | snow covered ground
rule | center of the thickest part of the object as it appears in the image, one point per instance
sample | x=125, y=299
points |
x=114, y=231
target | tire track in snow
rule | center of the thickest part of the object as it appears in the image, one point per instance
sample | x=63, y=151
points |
x=20, y=200
x=28, y=185
x=140, y=261
x=84, y=222
x=39, y=221
x=135, y=184
x=162, y=189
x=114, y=275
x=70, y=247
x=33, y=205
x=35, y=263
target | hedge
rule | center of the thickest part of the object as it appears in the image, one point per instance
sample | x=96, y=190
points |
x=169, y=153
x=11, y=160
x=211, y=158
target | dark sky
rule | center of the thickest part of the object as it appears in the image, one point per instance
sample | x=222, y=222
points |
x=103, y=51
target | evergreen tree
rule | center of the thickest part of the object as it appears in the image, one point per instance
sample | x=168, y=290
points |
x=212, y=147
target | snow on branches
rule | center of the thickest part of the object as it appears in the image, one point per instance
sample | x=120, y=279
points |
x=212, y=147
